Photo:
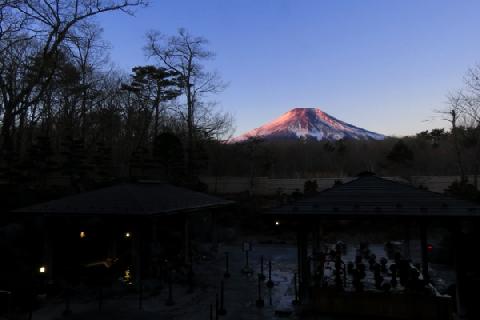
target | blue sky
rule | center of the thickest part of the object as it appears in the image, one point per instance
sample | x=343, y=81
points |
x=385, y=65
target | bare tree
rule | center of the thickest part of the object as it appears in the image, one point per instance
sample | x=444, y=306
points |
x=49, y=23
x=185, y=55
x=11, y=25
x=455, y=110
x=213, y=123
x=464, y=116
x=89, y=53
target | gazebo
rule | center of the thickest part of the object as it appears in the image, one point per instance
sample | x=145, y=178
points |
x=130, y=216
x=371, y=198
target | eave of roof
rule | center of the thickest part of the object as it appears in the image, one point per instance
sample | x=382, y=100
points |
x=129, y=199
x=373, y=196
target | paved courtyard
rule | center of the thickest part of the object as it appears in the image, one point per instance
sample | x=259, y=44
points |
x=241, y=290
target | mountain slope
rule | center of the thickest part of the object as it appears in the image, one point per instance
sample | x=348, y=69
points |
x=308, y=123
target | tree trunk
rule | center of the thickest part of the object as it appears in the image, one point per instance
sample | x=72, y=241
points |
x=190, y=129
x=6, y=138
x=457, y=146
x=157, y=115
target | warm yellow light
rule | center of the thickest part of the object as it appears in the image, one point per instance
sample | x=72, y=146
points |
x=127, y=276
x=42, y=269
x=82, y=234
x=127, y=235
x=277, y=223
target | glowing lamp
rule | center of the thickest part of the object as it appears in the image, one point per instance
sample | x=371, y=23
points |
x=42, y=269
x=128, y=234
x=82, y=234
x=127, y=276
x=429, y=248
x=277, y=223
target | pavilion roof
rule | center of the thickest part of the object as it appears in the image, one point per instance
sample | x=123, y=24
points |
x=369, y=196
x=129, y=199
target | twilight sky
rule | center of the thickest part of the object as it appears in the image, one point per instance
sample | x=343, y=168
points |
x=382, y=65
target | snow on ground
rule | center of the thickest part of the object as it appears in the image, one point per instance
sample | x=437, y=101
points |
x=240, y=290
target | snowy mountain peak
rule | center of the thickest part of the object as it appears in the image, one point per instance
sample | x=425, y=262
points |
x=310, y=123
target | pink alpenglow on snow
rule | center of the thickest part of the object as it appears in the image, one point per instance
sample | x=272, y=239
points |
x=308, y=123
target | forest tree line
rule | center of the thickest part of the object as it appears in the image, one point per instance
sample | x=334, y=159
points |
x=66, y=110
x=454, y=151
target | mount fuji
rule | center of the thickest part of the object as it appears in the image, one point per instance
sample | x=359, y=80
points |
x=310, y=123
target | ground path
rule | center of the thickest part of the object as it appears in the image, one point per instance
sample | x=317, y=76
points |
x=241, y=291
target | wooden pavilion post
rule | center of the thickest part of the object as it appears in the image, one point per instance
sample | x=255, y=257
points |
x=459, y=272
x=137, y=254
x=154, y=250
x=186, y=234
x=214, y=228
x=113, y=240
x=48, y=249
x=315, y=244
x=406, y=247
x=316, y=238
x=424, y=252
x=303, y=263
x=154, y=223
